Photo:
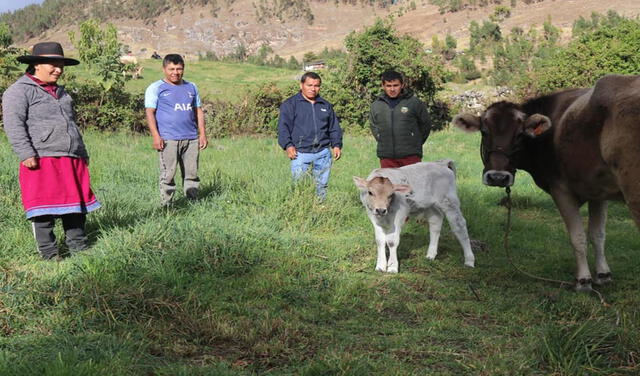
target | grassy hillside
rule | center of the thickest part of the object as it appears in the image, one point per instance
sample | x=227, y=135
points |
x=257, y=278
x=215, y=80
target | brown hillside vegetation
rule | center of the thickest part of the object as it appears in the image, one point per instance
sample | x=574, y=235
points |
x=196, y=30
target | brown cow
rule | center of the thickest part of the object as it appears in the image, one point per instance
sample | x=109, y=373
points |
x=579, y=145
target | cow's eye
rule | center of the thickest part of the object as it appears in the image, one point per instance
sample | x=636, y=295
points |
x=370, y=193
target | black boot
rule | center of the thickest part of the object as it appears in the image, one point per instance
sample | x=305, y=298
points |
x=75, y=236
x=43, y=232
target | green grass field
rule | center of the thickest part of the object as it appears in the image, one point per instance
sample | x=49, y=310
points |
x=256, y=278
x=215, y=80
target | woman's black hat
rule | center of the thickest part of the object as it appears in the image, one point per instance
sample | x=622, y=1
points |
x=46, y=52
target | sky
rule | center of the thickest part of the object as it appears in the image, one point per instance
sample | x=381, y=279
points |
x=11, y=5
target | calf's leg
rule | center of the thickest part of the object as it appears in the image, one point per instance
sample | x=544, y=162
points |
x=435, y=219
x=393, y=239
x=458, y=224
x=381, y=263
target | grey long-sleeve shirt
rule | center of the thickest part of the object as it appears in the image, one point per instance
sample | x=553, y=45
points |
x=39, y=125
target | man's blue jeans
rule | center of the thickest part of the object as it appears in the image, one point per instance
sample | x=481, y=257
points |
x=321, y=164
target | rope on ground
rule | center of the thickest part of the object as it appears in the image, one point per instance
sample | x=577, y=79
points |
x=508, y=252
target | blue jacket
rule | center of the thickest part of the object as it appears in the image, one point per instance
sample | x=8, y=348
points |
x=310, y=127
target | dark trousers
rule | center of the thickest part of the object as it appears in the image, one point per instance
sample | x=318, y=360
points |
x=73, y=225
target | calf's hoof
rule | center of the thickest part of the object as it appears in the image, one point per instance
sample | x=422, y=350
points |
x=603, y=279
x=583, y=285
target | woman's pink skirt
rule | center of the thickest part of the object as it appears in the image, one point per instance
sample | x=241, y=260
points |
x=60, y=185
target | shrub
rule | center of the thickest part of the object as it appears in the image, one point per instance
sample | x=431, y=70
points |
x=101, y=101
x=257, y=113
x=5, y=36
x=352, y=83
x=10, y=68
x=468, y=69
x=609, y=49
x=119, y=111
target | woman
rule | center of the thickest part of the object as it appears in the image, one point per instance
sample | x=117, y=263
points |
x=54, y=177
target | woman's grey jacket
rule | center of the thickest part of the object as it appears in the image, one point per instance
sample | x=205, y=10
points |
x=39, y=125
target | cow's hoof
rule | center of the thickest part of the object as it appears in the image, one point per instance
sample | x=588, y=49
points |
x=603, y=279
x=470, y=264
x=381, y=269
x=392, y=269
x=583, y=285
x=431, y=257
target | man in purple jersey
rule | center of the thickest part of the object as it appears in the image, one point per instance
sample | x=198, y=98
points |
x=176, y=122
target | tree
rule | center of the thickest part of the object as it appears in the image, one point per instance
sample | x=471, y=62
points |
x=5, y=35
x=354, y=82
x=293, y=63
x=450, y=42
x=100, y=50
x=309, y=56
x=608, y=49
x=10, y=69
x=101, y=101
x=239, y=54
x=468, y=69
x=551, y=33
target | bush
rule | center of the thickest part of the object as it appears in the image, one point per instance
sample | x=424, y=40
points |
x=353, y=82
x=468, y=69
x=10, y=68
x=257, y=113
x=119, y=111
x=609, y=49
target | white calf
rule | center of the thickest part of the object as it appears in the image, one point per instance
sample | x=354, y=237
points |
x=426, y=189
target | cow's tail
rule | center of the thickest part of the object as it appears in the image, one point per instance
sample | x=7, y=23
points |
x=449, y=163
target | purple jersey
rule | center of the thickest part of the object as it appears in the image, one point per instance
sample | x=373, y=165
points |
x=175, y=109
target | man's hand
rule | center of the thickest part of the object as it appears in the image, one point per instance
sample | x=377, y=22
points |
x=292, y=153
x=158, y=143
x=337, y=153
x=31, y=163
x=203, y=142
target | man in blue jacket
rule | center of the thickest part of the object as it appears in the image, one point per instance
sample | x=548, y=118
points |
x=309, y=131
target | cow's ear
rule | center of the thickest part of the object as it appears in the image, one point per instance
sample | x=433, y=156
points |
x=360, y=183
x=467, y=122
x=536, y=124
x=405, y=189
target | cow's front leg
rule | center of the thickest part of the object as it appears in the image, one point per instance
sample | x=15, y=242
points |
x=393, y=240
x=435, y=218
x=569, y=209
x=381, y=263
x=597, y=222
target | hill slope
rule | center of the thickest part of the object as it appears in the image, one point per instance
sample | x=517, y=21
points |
x=196, y=30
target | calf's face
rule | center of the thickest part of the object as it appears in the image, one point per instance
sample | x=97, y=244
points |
x=379, y=193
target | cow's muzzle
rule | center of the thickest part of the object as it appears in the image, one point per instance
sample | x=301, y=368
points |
x=494, y=178
x=380, y=212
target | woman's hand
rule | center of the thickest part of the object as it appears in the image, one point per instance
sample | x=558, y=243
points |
x=30, y=163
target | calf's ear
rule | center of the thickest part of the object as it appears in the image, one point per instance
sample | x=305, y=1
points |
x=467, y=122
x=402, y=188
x=360, y=183
x=536, y=124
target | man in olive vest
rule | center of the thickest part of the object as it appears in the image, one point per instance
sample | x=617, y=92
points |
x=399, y=122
